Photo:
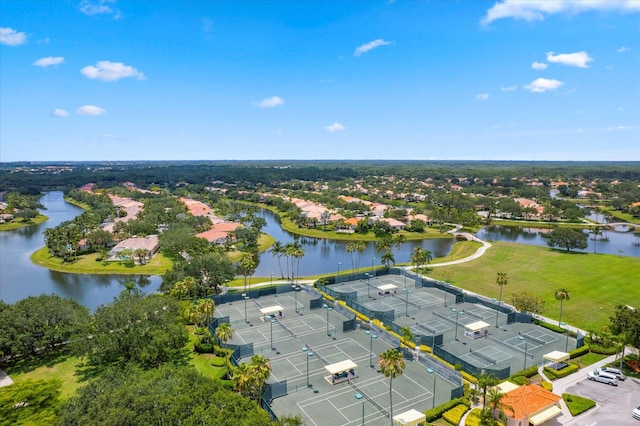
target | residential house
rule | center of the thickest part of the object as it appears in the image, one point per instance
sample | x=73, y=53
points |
x=219, y=233
x=529, y=405
x=150, y=243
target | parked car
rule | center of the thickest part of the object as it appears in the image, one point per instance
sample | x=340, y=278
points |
x=636, y=413
x=600, y=376
x=615, y=372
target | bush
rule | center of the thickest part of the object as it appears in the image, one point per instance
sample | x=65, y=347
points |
x=602, y=350
x=203, y=348
x=529, y=372
x=570, y=369
x=454, y=415
x=577, y=404
x=473, y=419
x=218, y=361
x=547, y=385
x=548, y=326
x=436, y=412
x=579, y=352
x=519, y=380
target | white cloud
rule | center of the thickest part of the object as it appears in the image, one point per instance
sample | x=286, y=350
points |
x=335, y=127
x=45, y=40
x=482, y=96
x=623, y=49
x=271, y=102
x=328, y=80
x=100, y=7
x=617, y=128
x=532, y=10
x=48, y=61
x=90, y=110
x=370, y=46
x=540, y=85
x=60, y=113
x=111, y=71
x=578, y=59
x=539, y=65
x=207, y=25
x=11, y=37
x=509, y=88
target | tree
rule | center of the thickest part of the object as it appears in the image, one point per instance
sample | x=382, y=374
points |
x=135, y=329
x=501, y=279
x=525, y=301
x=224, y=332
x=567, y=238
x=561, y=294
x=485, y=381
x=391, y=365
x=168, y=395
x=277, y=250
x=627, y=320
x=387, y=259
x=246, y=266
x=30, y=402
x=249, y=378
x=407, y=334
x=495, y=407
x=399, y=240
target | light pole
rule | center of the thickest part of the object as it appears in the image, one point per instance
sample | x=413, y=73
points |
x=435, y=377
x=271, y=323
x=525, y=351
x=371, y=337
x=308, y=354
x=405, y=278
x=566, y=345
x=272, y=279
x=458, y=313
x=372, y=260
x=328, y=308
x=406, y=301
x=368, y=283
x=497, y=314
x=245, y=297
x=295, y=293
x=338, y=276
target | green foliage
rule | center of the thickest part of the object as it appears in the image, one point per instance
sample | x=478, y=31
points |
x=142, y=330
x=167, y=395
x=519, y=380
x=203, y=348
x=567, y=238
x=525, y=301
x=569, y=369
x=29, y=402
x=547, y=385
x=549, y=326
x=437, y=412
x=473, y=418
x=39, y=324
x=577, y=404
x=579, y=352
x=627, y=321
x=529, y=372
x=454, y=415
x=603, y=350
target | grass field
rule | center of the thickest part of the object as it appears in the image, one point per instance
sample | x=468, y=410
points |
x=596, y=282
x=19, y=223
x=87, y=264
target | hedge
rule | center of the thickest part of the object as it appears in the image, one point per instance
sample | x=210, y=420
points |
x=602, y=350
x=577, y=404
x=519, y=380
x=437, y=412
x=579, y=352
x=203, y=348
x=473, y=419
x=454, y=415
x=529, y=372
x=558, y=374
x=549, y=326
x=547, y=385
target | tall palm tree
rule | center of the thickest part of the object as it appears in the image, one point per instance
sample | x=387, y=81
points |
x=384, y=243
x=247, y=266
x=391, y=365
x=224, y=332
x=398, y=240
x=242, y=378
x=261, y=368
x=387, y=259
x=485, y=381
x=562, y=294
x=501, y=279
x=277, y=250
x=351, y=249
x=495, y=407
x=360, y=248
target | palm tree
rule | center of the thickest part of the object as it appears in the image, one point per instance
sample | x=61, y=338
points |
x=495, y=407
x=242, y=378
x=399, y=240
x=360, y=248
x=261, y=368
x=391, y=365
x=224, y=332
x=277, y=250
x=351, y=249
x=246, y=267
x=387, y=259
x=486, y=380
x=562, y=294
x=501, y=279
x=406, y=334
x=384, y=243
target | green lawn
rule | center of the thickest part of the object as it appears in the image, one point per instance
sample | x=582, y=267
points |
x=87, y=264
x=596, y=282
x=588, y=359
x=19, y=223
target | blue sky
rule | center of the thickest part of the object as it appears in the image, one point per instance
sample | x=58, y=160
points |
x=234, y=80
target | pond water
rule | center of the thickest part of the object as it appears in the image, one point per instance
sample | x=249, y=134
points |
x=19, y=278
x=619, y=243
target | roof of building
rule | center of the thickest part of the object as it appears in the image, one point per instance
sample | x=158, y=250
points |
x=527, y=400
x=219, y=231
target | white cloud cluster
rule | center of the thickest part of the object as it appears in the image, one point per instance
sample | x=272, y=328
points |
x=111, y=71
x=60, y=113
x=578, y=59
x=623, y=49
x=370, y=46
x=100, y=7
x=541, y=85
x=539, y=65
x=509, y=88
x=271, y=102
x=48, y=61
x=482, y=96
x=335, y=127
x=90, y=110
x=11, y=37
x=532, y=10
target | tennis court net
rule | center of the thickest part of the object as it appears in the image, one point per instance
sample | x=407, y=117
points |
x=375, y=404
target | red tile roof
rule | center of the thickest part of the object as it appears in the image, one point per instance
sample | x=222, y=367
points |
x=527, y=400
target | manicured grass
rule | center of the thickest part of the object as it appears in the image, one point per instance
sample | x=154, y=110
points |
x=56, y=366
x=203, y=362
x=87, y=264
x=460, y=250
x=577, y=404
x=596, y=282
x=588, y=359
x=19, y=223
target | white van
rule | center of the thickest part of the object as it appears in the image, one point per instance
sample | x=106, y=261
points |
x=614, y=371
x=601, y=376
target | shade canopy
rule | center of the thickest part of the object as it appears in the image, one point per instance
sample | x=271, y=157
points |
x=271, y=309
x=506, y=387
x=556, y=356
x=544, y=415
x=387, y=287
x=409, y=418
x=341, y=366
x=475, y=326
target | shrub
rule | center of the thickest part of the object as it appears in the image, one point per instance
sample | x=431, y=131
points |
x=529, y=372
x=218, y=362
x=550, y=373
x=548, y=326
x=454, y=415
x=547, y=385
x=602, y=350
x=577, y=404
x=203, y=348
x=519, y=380
x=436, y=412
x=569, y=369
x=473, y=419
x=579, y=352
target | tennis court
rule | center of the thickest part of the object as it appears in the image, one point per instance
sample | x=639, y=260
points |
x=485, y=356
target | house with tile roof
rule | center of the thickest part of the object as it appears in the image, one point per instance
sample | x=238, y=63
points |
x=529, y=404
x=219, y=232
